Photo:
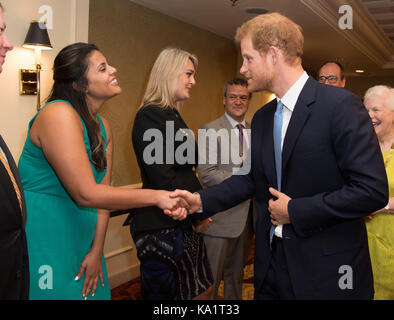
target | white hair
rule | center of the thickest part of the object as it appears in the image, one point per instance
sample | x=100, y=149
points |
x=380, y=91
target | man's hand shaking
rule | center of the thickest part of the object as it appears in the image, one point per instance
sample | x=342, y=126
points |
x=191, y=202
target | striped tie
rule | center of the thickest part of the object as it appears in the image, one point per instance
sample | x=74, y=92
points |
x=17, y=191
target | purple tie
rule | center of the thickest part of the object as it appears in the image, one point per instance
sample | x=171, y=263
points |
x=241, y=139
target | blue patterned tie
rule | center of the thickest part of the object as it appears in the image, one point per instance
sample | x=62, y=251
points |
x=277, y=134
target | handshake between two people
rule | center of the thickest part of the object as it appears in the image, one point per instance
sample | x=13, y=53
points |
x=179, y=203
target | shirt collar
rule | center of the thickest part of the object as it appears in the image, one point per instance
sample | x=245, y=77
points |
x=233, y=122
x=3, y=153
x=291, y=96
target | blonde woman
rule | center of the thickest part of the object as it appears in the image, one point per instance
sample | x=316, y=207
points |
x=379, y=101
x=173, y=258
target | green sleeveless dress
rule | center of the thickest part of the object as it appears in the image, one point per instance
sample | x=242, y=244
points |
x=59, y=232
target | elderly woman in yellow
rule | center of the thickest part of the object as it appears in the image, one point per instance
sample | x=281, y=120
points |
x=379, y=101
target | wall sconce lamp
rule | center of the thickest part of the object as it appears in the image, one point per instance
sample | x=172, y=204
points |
x=37, y=38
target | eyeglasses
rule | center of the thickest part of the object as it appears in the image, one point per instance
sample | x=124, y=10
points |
x=330, y=79
x=233, y=97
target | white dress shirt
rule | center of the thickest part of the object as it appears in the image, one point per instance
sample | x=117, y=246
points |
x=289, y=101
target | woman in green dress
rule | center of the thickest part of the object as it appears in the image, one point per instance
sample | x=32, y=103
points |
x=379, y=101
x=65, y=168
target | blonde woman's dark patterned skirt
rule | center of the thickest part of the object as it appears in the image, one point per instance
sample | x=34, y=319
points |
x=174, y=264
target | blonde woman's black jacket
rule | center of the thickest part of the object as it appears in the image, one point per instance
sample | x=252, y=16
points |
x=162, y=166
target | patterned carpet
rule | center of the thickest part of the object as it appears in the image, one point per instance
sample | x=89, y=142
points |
x=131, y=290
x=247, y=287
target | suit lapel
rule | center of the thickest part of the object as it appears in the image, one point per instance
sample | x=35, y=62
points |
x=298, y=119
x=180, y=125
x=6, y=178
x=225, y=123
x=233, y=142
x=266, y=147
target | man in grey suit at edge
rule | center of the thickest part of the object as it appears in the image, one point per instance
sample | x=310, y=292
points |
x=14, y=263
x=229, y=236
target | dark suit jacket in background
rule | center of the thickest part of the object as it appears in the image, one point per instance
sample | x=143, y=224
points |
x=333, y=170
x=166, y=176
x=14, y=266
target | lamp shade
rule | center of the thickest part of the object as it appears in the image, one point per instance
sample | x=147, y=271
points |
x=37, y=37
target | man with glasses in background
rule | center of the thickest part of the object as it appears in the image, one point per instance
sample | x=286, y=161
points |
x=332, y=73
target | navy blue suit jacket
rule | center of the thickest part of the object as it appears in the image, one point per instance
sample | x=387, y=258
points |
x=333, y=170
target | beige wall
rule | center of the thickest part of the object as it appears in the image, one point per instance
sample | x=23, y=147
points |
x=359, y=85
x=70, y=24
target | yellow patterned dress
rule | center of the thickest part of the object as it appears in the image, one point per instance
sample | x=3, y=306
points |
x=381, y=241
